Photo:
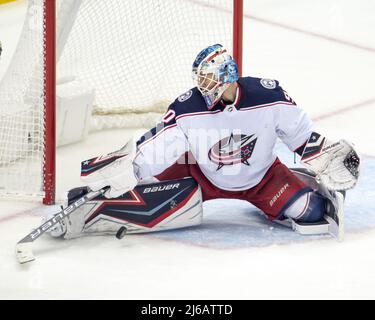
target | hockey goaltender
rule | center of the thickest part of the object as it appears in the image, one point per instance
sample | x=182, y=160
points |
x=217, y=141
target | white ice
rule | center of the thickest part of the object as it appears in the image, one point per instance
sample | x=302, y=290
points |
x=323, y=53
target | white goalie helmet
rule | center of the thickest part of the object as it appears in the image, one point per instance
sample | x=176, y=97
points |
x=213, y=71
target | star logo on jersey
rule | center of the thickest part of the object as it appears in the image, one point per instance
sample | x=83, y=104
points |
x=186, y=96
x=268, y=83
x=232, y=150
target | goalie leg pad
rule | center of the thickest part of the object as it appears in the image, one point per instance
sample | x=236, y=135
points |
x=148, y=208
x=310, y=207
x=332, y=212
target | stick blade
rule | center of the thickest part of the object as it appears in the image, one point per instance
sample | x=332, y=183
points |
x=24, y=252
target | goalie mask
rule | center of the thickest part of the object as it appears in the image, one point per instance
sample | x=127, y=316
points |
x=213, y=71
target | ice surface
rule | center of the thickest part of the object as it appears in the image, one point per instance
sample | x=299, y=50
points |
x=236, y=253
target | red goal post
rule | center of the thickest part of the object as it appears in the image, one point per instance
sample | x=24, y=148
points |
x=159, y=37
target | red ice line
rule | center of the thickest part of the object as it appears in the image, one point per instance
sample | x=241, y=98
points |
x=344, y=109
x=17, y=215
x=288, y=27
x=311, y=33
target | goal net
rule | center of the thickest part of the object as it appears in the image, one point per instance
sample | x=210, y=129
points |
x=136, y=54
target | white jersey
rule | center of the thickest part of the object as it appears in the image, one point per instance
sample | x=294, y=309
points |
x=232, y=144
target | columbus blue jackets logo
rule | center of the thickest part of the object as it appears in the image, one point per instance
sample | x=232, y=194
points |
x=268, y=83
x=232, y=150
x=186, y=96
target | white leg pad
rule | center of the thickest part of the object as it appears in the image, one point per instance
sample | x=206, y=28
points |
x=92, y=219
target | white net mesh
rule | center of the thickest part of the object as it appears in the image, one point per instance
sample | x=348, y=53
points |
x=21, y=112
x=136, y=54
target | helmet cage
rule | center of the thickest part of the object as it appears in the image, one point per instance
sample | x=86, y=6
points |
x=213, y=71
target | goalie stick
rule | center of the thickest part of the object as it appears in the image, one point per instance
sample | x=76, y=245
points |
x=24, y=250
